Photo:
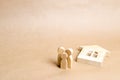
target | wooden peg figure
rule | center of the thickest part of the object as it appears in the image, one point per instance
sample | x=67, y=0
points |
x=60, y=51
x=64, y=62
x=70, y=58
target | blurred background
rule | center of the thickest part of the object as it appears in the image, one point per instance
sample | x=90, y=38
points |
x=32, y=30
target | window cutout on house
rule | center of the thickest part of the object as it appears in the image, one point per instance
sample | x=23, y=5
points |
x=89, y=53
x=95, y=54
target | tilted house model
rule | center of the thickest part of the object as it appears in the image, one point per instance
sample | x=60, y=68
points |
x=92, y=55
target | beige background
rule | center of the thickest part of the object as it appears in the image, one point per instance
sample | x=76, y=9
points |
x=32, y=30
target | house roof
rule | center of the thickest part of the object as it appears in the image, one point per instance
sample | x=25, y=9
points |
x=95, y=47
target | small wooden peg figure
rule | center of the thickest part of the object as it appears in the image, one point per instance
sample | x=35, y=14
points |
x=70, y=58
x=64, y=62
x=60, y=51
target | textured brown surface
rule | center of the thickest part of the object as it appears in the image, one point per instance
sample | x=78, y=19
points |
x=32, y=30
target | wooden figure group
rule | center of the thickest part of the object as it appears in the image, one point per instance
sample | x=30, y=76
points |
x=65, y=57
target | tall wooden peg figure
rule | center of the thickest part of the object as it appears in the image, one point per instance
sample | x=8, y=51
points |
x=60, y=51
x=64, y=63
x=70, y=58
